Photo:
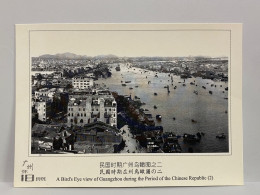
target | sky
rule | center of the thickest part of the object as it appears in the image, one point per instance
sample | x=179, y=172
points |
x=131, y=43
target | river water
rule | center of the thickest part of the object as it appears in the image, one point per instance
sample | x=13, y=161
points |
x=209, y=111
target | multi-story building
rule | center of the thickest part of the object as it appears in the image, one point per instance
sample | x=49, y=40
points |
x=43, y=109
x=100, y=106
x=82, y=82
x=45, y=93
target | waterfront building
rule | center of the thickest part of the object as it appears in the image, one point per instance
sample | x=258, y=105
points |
x=82, y=82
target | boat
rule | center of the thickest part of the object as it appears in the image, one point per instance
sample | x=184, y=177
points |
x=184, y=84
x=174, y=118
x=118, y=68
x=196, y=92
x=155, y=93
x=175, y=87
x=130, y=88
x=226, y=88
x=136, y=86
x=155, y=107
x=127, y=81
x=190, y=138
x=158, y=117
x=192, y=120
x=210, y=92
x=203, y=87
x=221, y=136
x=123, y=85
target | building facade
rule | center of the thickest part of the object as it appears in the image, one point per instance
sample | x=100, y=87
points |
x=43, y=109
x=82, y=82
x=97, y=107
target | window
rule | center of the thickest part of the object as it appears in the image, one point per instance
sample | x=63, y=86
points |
x=85, y=114
x=81, y=114
x=71, y=120
x=81, y=120
x=79, y=109
x=83, y=109
x=78, y=114
x=69, y=114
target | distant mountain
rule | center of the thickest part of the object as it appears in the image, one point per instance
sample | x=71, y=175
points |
x=110, y=56
x=75, y=56
x=64, y=56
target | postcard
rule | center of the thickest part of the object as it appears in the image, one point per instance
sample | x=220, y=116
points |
x=128, y=105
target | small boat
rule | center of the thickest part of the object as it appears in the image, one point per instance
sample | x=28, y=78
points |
x=174, y=118
x=155, y=107
x=226, y=88
x=221, y=136
x=225, y=98
x=192, y=120
x=155, y=93
x=190, y=138
x=123, y=85
x=175, y=87
x=196, y=92
x=184, y=84
x=210, y=92
x=136, y=86
x=158, y=117
x=127, y=81
x=130, y=88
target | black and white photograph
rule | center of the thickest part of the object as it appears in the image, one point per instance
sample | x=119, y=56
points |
x=129, y=91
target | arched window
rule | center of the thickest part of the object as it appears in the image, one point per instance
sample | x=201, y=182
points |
x=81, y=120
x=81, y=114
x=78, y=114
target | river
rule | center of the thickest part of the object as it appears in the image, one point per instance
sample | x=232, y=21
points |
x=208, y=111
